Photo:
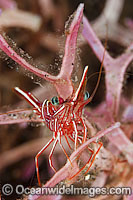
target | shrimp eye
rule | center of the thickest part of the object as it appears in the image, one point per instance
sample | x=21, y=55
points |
x=55, y=101
x=87, y=95
x=61, y=100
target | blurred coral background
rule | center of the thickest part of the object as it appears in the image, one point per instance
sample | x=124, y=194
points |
x=37, y=27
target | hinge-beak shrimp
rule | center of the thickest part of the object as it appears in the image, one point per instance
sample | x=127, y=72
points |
x=64, y=118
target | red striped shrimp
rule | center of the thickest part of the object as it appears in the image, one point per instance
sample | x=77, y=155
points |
x=64, y=118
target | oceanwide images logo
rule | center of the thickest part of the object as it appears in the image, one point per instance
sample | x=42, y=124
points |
x=8, y=189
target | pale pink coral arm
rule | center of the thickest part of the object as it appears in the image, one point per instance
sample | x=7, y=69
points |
x=127, y=116
x=19, y=116
x=116, y=137
x=114, y=78
x=120, y=140
x=8, y=4
x=12, y=54
x=62, y=82
x=65, y=84
x=94, y=42
x=115, y=68
x=70, y=45
x=19, y=18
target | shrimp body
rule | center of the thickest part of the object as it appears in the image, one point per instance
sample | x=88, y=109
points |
x=63, y=118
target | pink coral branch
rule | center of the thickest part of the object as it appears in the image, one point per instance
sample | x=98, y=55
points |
x=116, y=7
x=127, y=116
x=114, y=77
x=115, y=68
x=70, y=46
x=19, y=18
x=69, y=56
x=116, y=32
x=19, y=116
x=12, y=54
x=56, y=13
x=8, y=4
x=62, y=82
x=94, y=42
x=118, y=138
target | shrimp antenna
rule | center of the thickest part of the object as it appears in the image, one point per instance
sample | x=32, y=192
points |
x=100, y=72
